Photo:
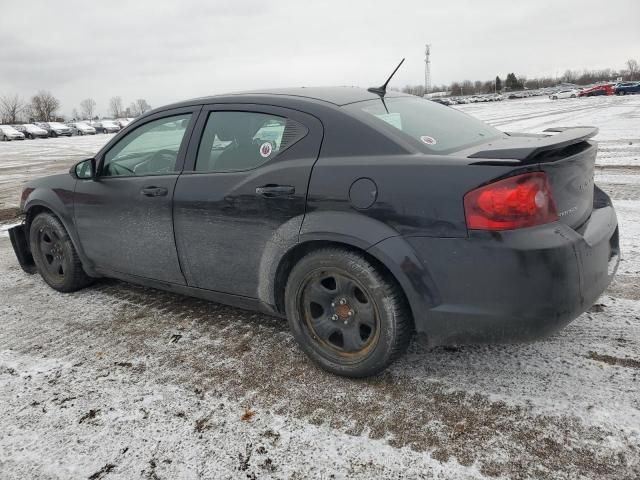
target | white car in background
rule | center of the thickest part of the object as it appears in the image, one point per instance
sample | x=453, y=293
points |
x=123, y=122
x=570, y=93
x=81, y=128
x=7, y=133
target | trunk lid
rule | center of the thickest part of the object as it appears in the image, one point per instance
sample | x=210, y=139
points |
x=566, y=156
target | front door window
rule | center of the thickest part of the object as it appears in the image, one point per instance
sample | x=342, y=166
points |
x=151, y=149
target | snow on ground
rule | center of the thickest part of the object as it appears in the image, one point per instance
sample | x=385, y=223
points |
x=618, y=119
x=23, y=160
x=118, y=381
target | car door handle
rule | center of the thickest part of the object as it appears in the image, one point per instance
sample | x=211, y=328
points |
x=275, y=190
x=154, y=191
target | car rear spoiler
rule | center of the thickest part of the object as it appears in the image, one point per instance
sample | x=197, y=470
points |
x=524, y=147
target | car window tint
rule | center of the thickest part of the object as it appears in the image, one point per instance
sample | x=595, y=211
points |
x=151, y=149
x=244, y=140
x=436, y=128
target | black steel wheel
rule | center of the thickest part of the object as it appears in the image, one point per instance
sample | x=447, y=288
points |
x=346, y=314
x=55, y=256
x=339, y=313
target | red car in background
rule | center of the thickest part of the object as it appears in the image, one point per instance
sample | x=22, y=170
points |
x=604, y=89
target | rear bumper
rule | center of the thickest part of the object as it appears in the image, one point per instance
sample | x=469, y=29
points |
x=515, y=285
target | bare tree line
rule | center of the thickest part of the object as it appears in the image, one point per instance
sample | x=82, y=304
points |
x=520, y=82
x=44, y=107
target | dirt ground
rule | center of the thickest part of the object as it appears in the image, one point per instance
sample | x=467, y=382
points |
x=120, y=382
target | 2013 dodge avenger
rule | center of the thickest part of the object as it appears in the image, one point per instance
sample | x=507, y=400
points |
x=362, y=216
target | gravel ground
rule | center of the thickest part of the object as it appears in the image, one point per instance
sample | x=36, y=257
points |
x=119, y=381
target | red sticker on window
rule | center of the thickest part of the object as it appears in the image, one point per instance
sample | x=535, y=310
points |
x=266, y=149
x=428, y=140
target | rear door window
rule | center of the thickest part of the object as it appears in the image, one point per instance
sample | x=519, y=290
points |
x=235, y=141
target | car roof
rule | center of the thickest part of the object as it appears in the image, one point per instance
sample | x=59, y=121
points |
x=337, y=96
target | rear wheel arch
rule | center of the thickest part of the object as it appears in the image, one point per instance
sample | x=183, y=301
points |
x=300, y=250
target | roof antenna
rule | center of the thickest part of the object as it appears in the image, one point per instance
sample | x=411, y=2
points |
x=382, y=90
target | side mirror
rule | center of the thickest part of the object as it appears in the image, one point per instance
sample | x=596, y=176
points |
x=84, y=170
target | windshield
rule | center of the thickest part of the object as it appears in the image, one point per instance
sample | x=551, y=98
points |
x=8, y=129
x=108, y=124
x=57, y=125
x=434, y=127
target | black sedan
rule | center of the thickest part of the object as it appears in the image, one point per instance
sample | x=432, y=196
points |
x=364, y=217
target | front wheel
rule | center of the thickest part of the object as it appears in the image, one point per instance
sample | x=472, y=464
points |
x=55, y=256
x=346, y=314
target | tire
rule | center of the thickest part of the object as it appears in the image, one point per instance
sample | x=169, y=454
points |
x=345, y=314
x=573, y=96
x=622, y=92
x=554, y=98
x=53, y=134
x=55, y=256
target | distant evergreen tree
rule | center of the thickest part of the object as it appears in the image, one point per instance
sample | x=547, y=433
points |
x=498, y=84
x=512, y=82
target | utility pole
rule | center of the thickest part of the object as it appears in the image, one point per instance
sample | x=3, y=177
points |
x=427, y=69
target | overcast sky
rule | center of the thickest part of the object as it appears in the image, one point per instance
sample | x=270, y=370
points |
x=166, y=51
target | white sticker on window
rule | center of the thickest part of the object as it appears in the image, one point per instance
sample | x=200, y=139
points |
x=428, y=140
x=265, y=149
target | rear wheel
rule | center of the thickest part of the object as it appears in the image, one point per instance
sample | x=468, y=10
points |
x=345, y=314
x=55, y=256
x=622, y=92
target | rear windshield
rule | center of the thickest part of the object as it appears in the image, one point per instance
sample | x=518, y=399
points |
x=432, y=127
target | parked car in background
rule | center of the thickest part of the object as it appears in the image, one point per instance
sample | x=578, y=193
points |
x=55, y=129
x=598, y=90
x=106, y=126
x=625, y=88
x=7, y=133
x=81, y=128
x=568, y=93
x=123, y=122
x=31, y=131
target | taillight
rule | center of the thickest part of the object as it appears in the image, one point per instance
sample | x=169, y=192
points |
x=515, y=202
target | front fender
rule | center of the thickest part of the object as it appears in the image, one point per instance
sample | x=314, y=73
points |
x=58, y=200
